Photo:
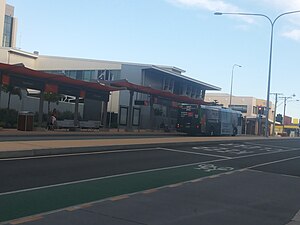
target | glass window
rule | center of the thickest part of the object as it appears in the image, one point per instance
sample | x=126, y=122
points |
x=89, y=75
x=116, y=74
x=7, y=34
x=71, y=73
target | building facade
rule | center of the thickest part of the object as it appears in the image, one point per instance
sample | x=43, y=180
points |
x=163, y=78
x=8, y=25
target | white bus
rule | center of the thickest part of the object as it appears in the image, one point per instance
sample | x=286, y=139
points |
x=209, y=120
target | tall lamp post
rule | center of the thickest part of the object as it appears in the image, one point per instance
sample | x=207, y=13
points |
x=230, y=99
x=272, y=22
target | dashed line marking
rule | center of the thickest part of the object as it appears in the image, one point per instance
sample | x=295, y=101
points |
x=118, y=198
x=198, y=180
x=175, y=185
x=150, y=191
x=26, y=219
x=214, y=176
x=84, y=206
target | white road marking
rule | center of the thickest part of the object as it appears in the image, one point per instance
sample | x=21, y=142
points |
x=211, y=167
x=78, y=154
x=284, y=175
x=277, y=161
x=194, y=153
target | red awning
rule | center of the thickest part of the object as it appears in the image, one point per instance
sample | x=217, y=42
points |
x=25, y=72
x=158, y=93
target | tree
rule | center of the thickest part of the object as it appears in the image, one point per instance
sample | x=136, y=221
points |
x=51, y=97
x=12, y=90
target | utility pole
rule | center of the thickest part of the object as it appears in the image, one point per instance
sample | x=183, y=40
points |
x=285, y=98
x=275, y=109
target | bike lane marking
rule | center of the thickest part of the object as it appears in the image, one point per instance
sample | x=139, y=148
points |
x=24, y=203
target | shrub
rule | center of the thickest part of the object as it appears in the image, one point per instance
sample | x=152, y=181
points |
x=8, y=118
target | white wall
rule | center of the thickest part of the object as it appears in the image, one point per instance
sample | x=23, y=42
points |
x=14, y=56
x=63, y=63
x=2, y=15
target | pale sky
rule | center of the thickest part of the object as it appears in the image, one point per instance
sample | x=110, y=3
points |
x=181, y=33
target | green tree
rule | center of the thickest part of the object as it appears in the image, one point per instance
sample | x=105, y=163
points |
x=12, y=90
x=51, y=97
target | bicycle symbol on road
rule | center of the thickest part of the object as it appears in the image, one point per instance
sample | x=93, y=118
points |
x=212, y=167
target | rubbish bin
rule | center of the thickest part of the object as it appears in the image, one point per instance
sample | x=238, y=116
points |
x=25, y=121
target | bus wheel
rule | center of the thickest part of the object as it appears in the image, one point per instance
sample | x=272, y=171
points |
x=234, y=132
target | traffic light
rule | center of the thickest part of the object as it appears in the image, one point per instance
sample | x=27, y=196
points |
x=260, y=110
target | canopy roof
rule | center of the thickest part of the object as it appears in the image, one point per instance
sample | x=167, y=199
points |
x=21, y=76
x=156, y=92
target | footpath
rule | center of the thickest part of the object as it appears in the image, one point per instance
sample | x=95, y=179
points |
x=14, y=143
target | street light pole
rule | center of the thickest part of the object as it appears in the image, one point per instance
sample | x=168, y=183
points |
x=271, y=51
x=230, y=99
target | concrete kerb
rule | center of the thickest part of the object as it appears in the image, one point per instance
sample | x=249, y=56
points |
x=90, y=149
x=96, y=132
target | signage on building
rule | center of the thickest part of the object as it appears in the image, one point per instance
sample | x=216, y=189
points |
x=51, y=88
x=295, y=121
x=141, y=102
x=5, y=79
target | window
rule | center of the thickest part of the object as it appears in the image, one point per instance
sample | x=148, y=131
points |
x=89, y=75
x=109, y=74
x=7, y=34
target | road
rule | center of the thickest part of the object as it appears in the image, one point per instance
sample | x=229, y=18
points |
x=246, y=182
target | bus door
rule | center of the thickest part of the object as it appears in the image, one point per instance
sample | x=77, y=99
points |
x=226, y=122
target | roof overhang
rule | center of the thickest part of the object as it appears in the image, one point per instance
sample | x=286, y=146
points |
x=203, y=84
x=155, y=92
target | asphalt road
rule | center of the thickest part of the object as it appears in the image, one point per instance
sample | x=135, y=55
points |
x=253, y=182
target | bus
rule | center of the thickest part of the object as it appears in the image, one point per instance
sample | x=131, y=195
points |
x=208, y=120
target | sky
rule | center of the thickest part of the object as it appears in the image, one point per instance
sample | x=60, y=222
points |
x=180, y=33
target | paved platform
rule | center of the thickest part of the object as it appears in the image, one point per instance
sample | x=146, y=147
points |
x=18, y=148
